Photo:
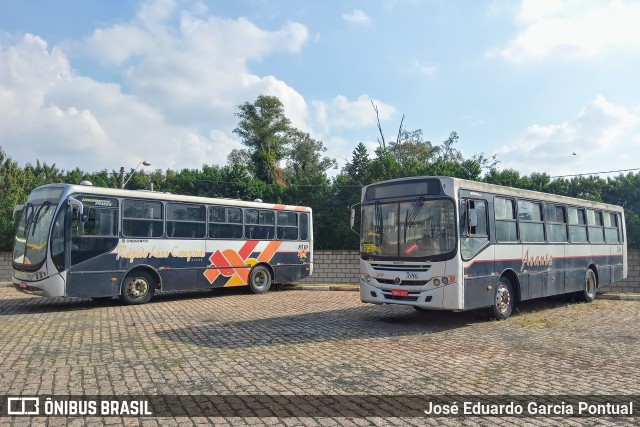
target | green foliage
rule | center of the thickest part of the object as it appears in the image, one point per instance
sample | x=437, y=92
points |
x=264, y=128
x=305, y=156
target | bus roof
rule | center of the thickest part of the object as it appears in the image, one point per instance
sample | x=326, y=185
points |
x=157, y=195
x=495, y=189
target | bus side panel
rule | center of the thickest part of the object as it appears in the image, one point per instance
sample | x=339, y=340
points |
x=291, y=262
x=556, y=280
x=290, y=273
x=93, y=278
x=617, y=263
x=577, y=259
x=89, y=284
x=478, y=275
x=181, y=279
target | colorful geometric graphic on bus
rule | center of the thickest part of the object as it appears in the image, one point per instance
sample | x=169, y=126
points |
x=236, y=265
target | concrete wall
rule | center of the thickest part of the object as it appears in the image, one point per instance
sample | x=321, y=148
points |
x=5, y=267
x=334, y=267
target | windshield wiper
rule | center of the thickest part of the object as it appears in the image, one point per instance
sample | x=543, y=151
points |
x=378, y=226
x=28, y=213
x=412, y=214
x=35, y=218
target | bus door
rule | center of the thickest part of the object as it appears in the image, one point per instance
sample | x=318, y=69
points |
x=92, y=236
x=478, y=255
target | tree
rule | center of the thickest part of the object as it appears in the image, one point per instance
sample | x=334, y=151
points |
x=242, y=158
x=264, y=129
x=305, y=157
x=357, y=168
x=411, y=146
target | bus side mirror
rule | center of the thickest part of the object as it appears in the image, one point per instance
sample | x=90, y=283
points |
x=17, y=209
x=473, y=218
x=352, y=221
x=78, y=209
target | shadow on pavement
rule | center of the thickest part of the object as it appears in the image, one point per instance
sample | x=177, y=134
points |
x=24, y=304
x=363, y=322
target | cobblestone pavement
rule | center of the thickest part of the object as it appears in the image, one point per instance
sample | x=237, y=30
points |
x=233, y=343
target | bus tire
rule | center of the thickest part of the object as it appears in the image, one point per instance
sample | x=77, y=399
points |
x=588, y=293
x=137, y=288
x=503, y=299
x=259, y=279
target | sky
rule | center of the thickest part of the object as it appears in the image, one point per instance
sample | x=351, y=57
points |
x=546, y=85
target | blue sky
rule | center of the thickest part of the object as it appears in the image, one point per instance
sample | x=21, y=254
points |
x=97, y=84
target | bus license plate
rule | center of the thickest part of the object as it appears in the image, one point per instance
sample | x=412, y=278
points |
x=399, y=292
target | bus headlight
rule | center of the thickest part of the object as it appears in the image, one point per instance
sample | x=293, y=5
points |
x=366, y=278
x=445, y=280
x=436, y=281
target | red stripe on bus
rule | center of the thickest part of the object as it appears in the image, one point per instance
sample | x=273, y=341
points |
x=247, y=248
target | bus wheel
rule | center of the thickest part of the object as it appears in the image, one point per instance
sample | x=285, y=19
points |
x=503, y=299
x=137, y=288
x=260, y=279
x=588, y=294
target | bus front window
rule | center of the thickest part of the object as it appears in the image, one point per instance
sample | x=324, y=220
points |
x=32, y=234
x=33, y=227
x=415, y=229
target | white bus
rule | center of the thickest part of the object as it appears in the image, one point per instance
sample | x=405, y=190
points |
x=91, y=242
x=441, y=243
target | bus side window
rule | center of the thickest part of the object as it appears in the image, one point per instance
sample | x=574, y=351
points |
x=577, y=225
x=474, y=230
x=506, y=225
x=304, y=226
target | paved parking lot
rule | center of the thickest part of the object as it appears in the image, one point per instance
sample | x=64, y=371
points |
x=302, y=343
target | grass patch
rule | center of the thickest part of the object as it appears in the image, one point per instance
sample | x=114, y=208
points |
x=534, y=322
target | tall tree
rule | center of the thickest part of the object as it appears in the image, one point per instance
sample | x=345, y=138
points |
x=357, y=168
x=264, y=129
x=411, y=146
x=305, y=157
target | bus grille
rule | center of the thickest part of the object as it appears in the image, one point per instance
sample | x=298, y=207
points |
x=412, y=268
x=404, y=282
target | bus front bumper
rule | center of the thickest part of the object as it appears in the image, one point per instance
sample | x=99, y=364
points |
x=432, y=299
x=52, y=286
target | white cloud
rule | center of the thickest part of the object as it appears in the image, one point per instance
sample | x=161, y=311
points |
x=49, y=113
x=117, y=44
x=356, y=16
x=571, y=29
x=601, y=134
x=341, y=113
x=425, y=70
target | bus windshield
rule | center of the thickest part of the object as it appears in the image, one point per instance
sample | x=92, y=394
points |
x=418, y=228
x=33, y=225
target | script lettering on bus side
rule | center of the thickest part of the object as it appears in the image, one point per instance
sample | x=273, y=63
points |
x=532, y=261
x=137, y=252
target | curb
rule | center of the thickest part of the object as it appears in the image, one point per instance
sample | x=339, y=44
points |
x=627, y=296
x=321, y=287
